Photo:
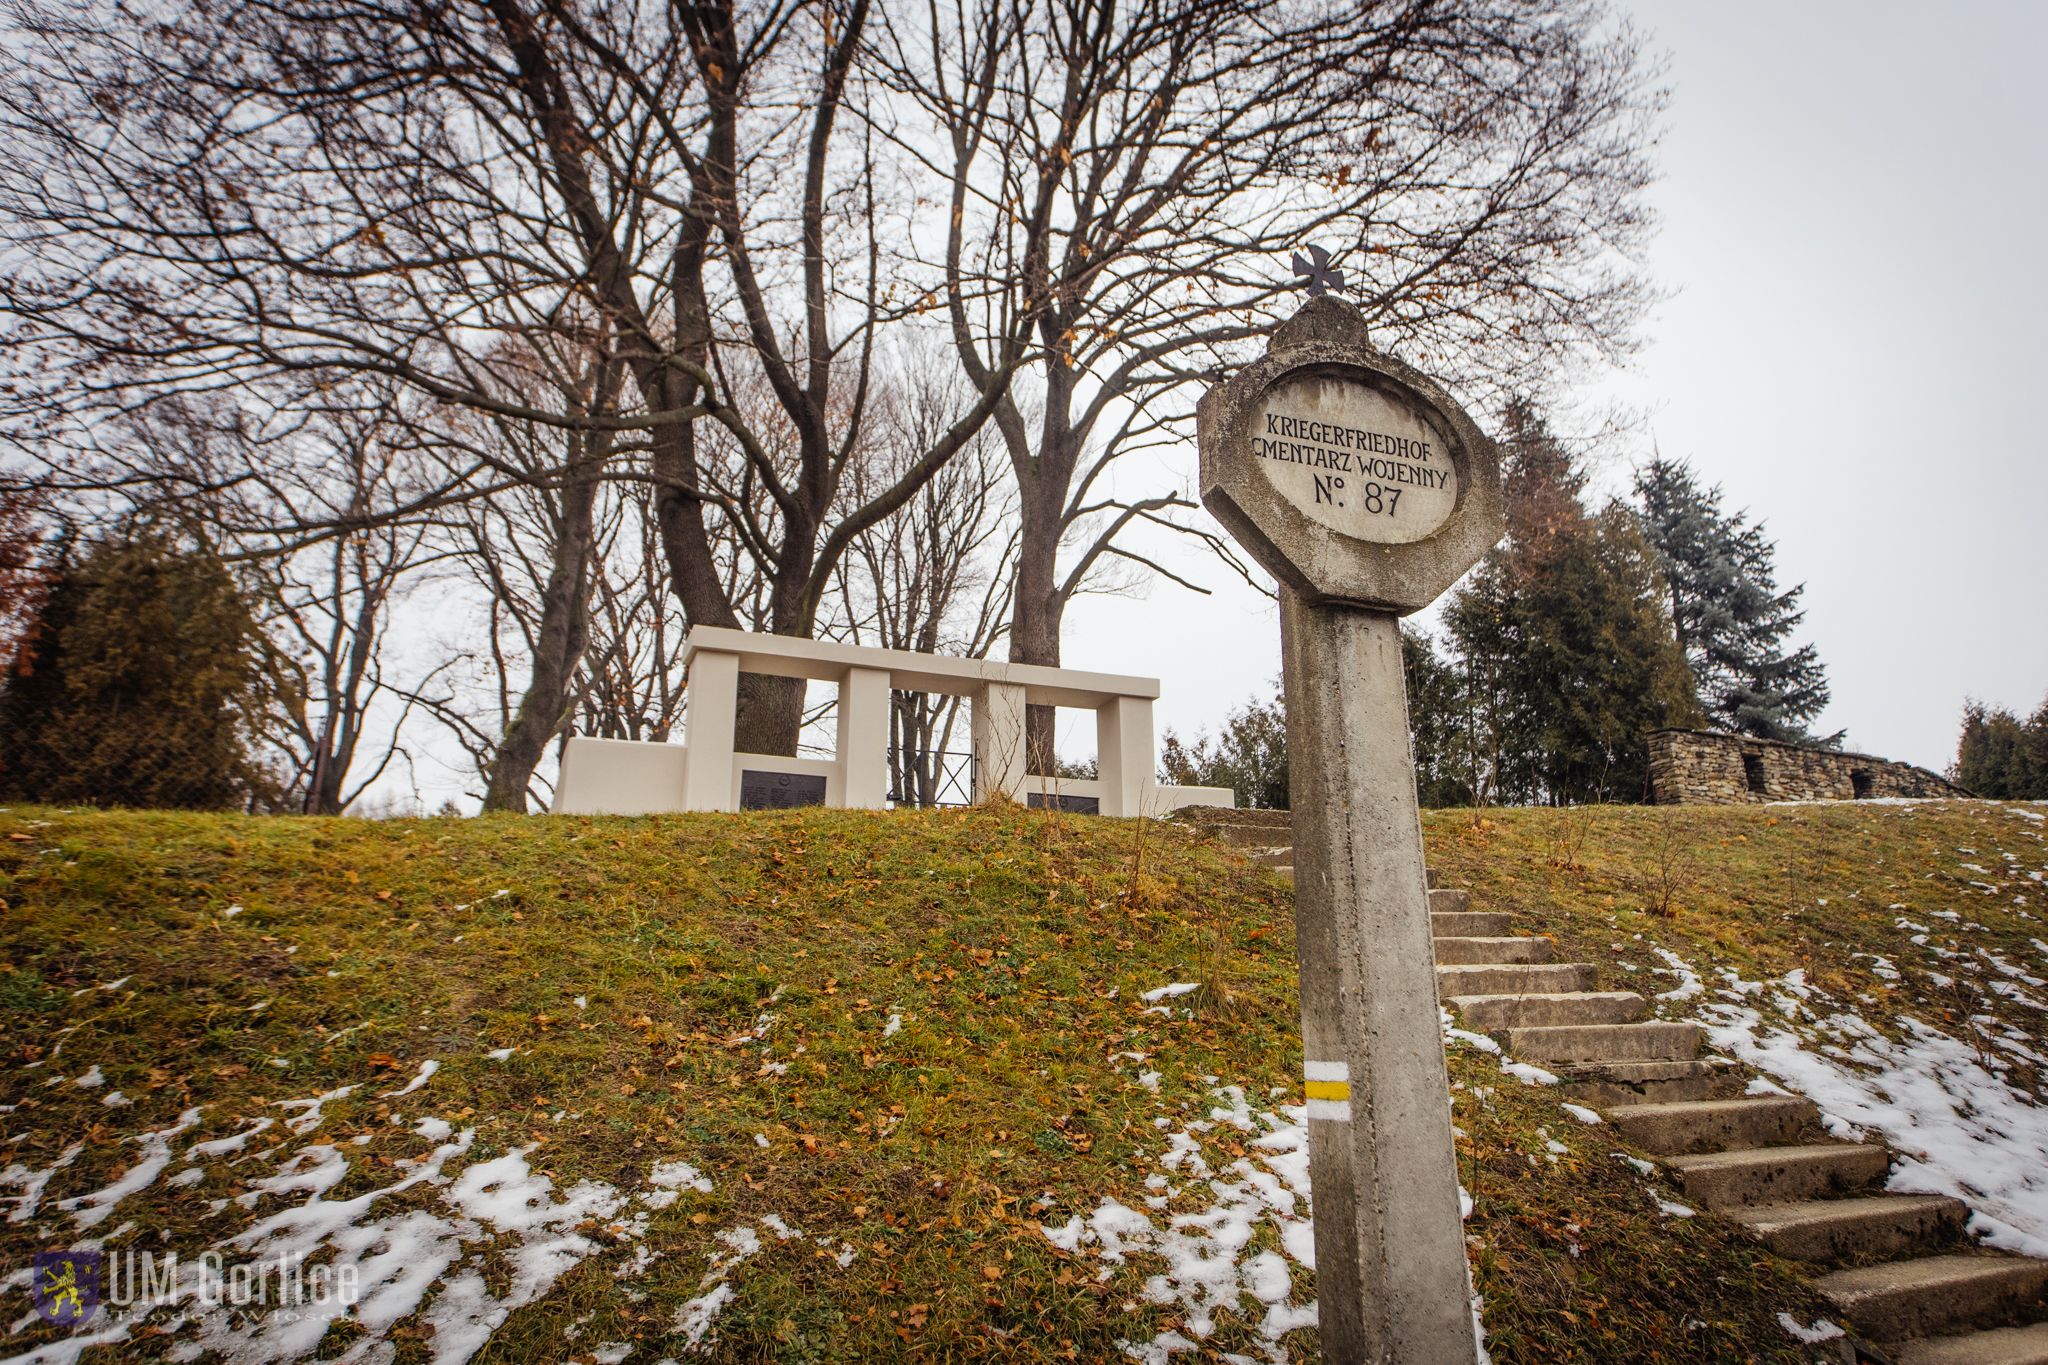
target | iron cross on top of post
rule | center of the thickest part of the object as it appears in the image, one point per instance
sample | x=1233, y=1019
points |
x=1317, y=276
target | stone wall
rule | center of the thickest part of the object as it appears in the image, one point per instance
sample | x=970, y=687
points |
x=1704, y=767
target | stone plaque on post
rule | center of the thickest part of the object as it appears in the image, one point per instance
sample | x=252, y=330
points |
x=1366, y=491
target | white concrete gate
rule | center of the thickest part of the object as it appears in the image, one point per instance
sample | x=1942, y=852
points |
x=705, y=772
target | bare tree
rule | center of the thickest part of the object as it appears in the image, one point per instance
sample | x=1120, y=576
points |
x=935, y=578
x=24, y=577
x=337, y=701
x=211, y=194
x=533, y=550
x=1135, y=177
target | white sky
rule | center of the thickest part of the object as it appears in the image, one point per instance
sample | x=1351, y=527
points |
x=1853, y=206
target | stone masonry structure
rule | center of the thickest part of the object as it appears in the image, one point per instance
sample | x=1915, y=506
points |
x=1708, y=768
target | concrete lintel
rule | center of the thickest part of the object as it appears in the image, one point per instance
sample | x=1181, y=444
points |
x=787, y=656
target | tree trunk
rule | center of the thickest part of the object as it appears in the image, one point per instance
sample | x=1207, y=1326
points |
x=558, y=645
x=1035, y=616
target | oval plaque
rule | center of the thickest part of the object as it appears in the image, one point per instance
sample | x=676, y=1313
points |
x=1354, y=458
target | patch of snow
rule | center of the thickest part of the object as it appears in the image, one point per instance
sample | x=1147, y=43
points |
x=91, y=1079
x=694, y=1319
x=426, y=1073
x=1822, y=1330
x=1207, y=1264
x=1178, y=988
x=1478, y=1040
x=90, y=1210
x=1581, y=1113
x=311, y=1110
x=678, y=1175
x=198, y=1151
x=1689, y=983
x=1957, y=1126
x=893, y=1027
x=31, y=1182
x=1528, y=1074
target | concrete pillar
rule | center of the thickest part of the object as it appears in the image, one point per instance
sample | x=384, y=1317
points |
x=1391, y=1278
x=999, y=740
x=863, y=746
x=1123, y=754
x=710, y=704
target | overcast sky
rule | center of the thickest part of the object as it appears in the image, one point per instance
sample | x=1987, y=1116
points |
x=1853, y=207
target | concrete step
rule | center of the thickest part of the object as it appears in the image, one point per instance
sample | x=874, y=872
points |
x=1468, y=923
x=1481, y=1013
x=1473, y=952
x=1257, y=827
x=1648, y=1042
x=1551, y=978
x=2000, y=1346
x=1270, y=857
x=1286, y=872
x=1779, y=1175
x=1937, y=1295
x=1830, y=1231
x=1449, y=902
x=1429, y=876
x=1607, y=1085
x=1712, y=1125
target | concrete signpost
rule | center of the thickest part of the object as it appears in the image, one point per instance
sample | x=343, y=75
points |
x=1361, y=486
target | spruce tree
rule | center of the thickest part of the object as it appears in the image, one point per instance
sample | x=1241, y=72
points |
x=1726, y=611
x=141, y=688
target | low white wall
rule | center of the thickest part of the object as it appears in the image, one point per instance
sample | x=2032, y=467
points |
x=619, y=777
x=634, y=777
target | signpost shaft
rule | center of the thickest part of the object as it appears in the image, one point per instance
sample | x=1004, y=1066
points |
x=1391, y=1278
x=1364, y=488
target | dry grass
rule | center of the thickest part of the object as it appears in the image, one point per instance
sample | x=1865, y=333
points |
x=1012, y=943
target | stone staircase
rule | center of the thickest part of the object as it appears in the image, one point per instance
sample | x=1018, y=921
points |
x=1899, y=1268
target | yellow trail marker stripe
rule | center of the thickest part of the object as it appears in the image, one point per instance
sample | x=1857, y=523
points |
x=1328, y=1090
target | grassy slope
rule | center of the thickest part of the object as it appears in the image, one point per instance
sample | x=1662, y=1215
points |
x=1012, y=944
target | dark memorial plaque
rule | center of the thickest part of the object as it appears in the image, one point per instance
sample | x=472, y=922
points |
x=780, y=791
x=1077, y=805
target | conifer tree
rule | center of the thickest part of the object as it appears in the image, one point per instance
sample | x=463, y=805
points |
x=1568, y=658
x=142, y=686
x=2001, y=756
x=1437, y=723
x=1727, y=613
